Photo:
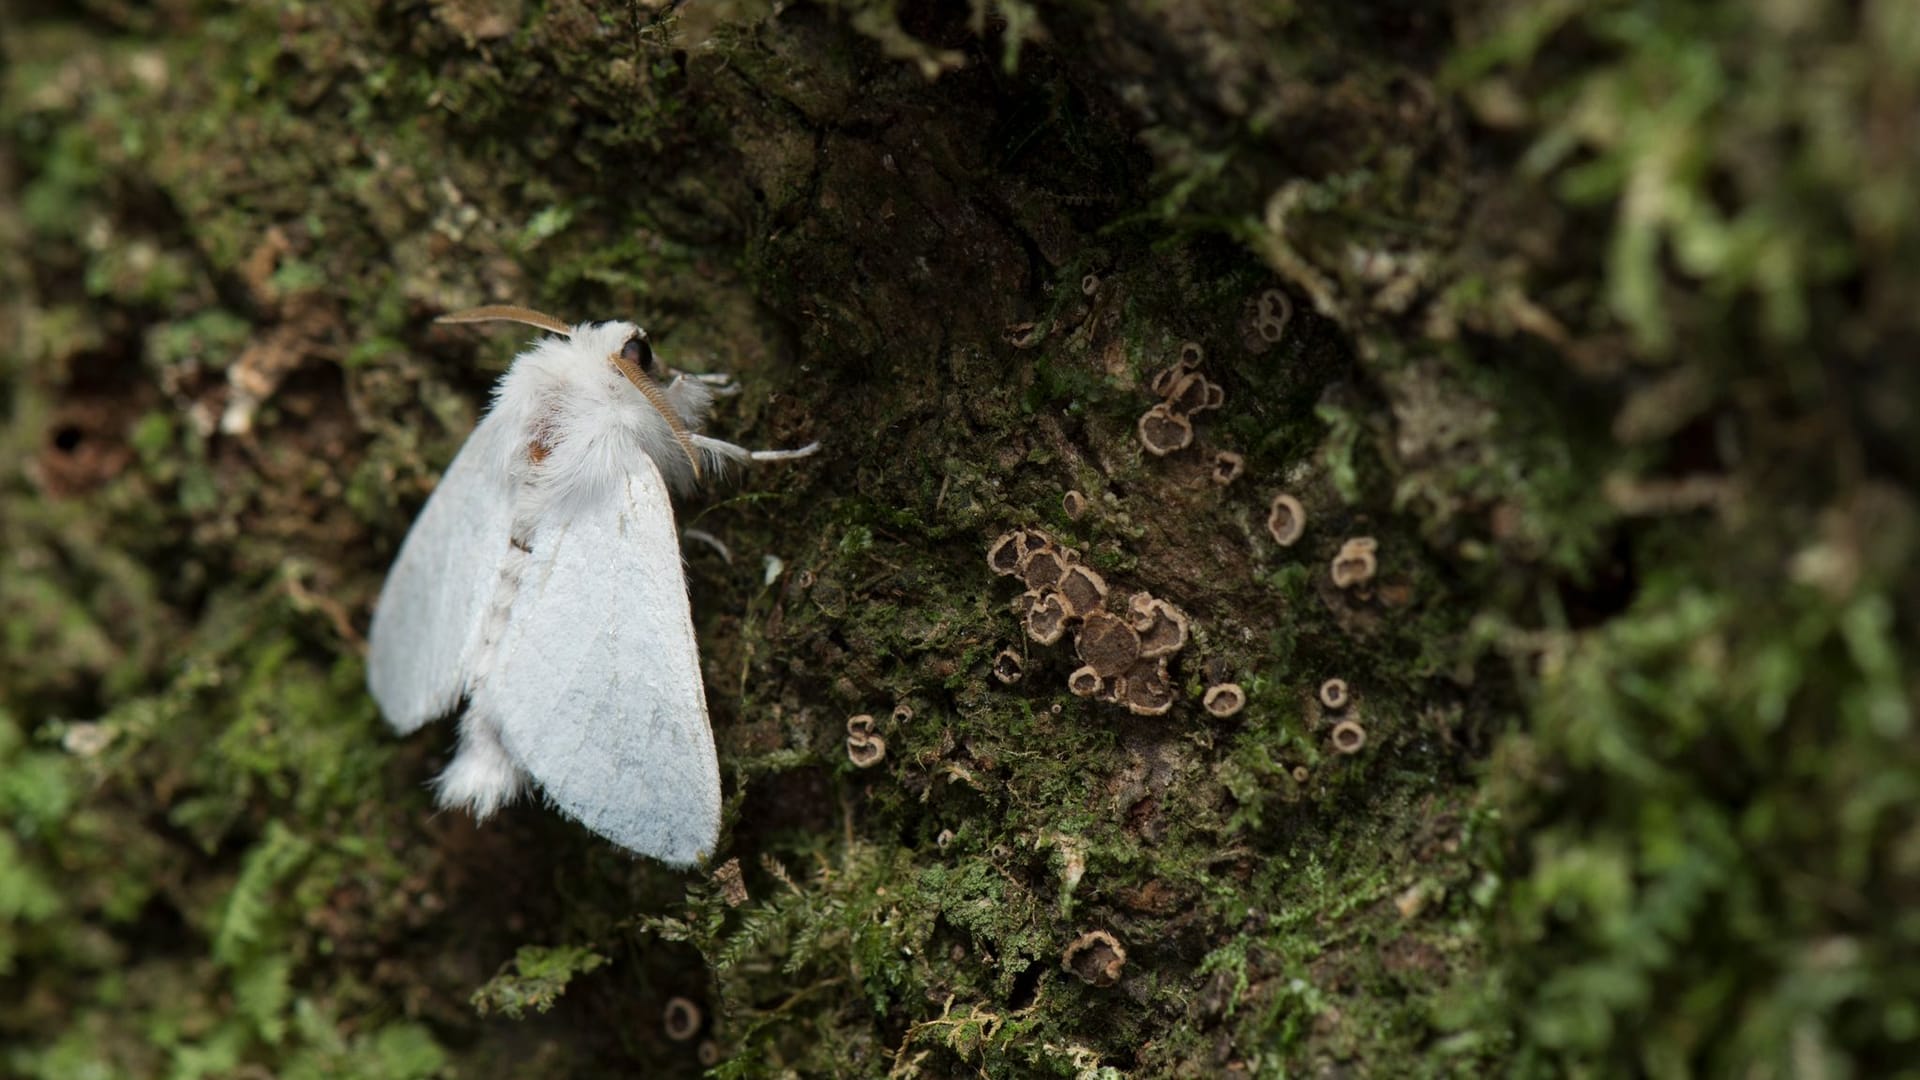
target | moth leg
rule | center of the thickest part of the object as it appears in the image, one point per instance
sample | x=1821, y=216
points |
x=702, y=536
x=719, y=382
x=482, y=777
x=808, y=450
x=721, y=450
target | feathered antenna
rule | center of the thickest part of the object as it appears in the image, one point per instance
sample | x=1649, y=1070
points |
x=508, y=313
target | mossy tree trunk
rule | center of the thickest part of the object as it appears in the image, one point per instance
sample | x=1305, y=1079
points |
x=1593, y=321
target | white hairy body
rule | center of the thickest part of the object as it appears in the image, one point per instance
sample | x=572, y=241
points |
x=543, y=584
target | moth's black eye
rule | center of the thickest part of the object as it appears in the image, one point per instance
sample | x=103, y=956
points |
x=637, y=351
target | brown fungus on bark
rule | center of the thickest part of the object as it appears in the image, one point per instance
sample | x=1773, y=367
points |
x=866, y=751
x=1095, y=957
x=860, y=726
x=1349, y=737
x=1300, y=774
x=1191, y=354
x=1083, y=589
x=708, y=1053
x=1008, y=667
x=1073, y=504
x=1272, y=311
x=1191, y=394
x=1162, y=382
x=1286, y=520
x=1227, y=467
x=1003, y=556
x=1224, y=700
x=1161, y=626
x=1146, y=689
x=1048, y=619
x=1041, y=569
x=1084, y=682
x=681, y=1019
x=1355, y=563
x=1024, y=603
x=1333, y=694
x=1162, y=431
x=1107, y=644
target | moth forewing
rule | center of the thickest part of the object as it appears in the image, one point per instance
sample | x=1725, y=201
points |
x=595, y=685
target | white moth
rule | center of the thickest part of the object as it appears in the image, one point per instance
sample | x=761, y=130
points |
x=542, y=583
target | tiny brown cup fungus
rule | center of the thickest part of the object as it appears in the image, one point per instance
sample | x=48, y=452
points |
x=1353, y=566
x=1107, y=644
x=1095, y=957
x=708, y=1053
x=1227, y=467
x=1276, y=310
x=1146, y=689
x=1286, y=520
x=1090, y=284
x=861, y=725
x=1003, y=556
x=1048, y=619
x=1349, y=737
x=1140, y=606
x=902, y=713
x=1073, y=504
x=681, y=1019
x=1161, y=626
x=1084, y=682
x=1083, y=589
x=1225, y=699
x=1333, y=693
x=1162, y=382
x=1008, y=667
x=1162, y=431
x=1024, y=604
x=1190, y=394
x=866, y=751
x=1191, y=354
x=1300, y=774
x=1041, y=569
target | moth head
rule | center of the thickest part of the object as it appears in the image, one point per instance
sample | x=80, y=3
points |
x=638, y=351
x=634, y=361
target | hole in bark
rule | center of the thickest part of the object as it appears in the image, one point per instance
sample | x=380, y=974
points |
x=67, y=438
x=1026, y=985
